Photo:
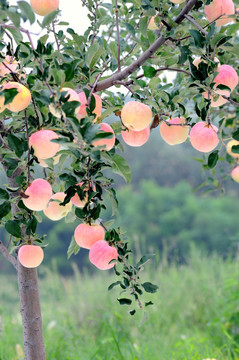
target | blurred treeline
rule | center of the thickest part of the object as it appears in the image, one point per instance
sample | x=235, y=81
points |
x=159, y=211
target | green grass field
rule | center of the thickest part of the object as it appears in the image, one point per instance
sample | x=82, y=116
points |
x=195, y=316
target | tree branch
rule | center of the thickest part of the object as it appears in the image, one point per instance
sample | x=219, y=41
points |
x=204, y=32
x=4, y=251
x=118, y=76
x=118, y=33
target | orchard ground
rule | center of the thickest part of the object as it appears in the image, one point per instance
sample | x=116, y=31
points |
x=195, y=316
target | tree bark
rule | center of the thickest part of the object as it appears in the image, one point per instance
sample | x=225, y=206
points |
x=34, y=347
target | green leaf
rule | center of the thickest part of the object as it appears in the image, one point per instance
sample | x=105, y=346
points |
x=17, y=35
x=9, y=95
x=114, y=202
x=147, y=303
x=15, y=144
x=149, y=287
x=13, y=228
x=114, y=49
x=5, y=208
x=73, y=248
x=144, y=259
x=31, y=226
x=235, y=135
x=94, y=52
x=49, y=18
x=27, y=10
x=124, y=301
x=149, y=71
x=113, y=285
x=4, y=194
x=213, y=159
x=121, y=167
x=198, y=38
x=235, y=149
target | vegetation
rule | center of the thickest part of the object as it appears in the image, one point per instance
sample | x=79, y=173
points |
x=195, y=316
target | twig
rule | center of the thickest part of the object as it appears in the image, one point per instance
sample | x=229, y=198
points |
x=28, y=152
x=118, y=33
x=8, y=256
x=56, y=38
x=190, y=18
x=125, y=85
x=121, y=75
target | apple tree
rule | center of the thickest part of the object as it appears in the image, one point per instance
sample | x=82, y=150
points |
x=57, y=90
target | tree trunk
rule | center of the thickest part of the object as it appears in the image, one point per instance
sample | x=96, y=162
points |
x=31, y=314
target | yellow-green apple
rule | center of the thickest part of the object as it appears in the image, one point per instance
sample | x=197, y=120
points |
x=30, y=256
x=54, y=210
x=86, y=235
x=39, y=193
x=136, y=115
x=204, y=137
x=136, y=138
x=220, y=9
x=42, y=145
x=21, y=100
x=44, y=7
x=101, y=254
x=107, y=144
x=174, y=134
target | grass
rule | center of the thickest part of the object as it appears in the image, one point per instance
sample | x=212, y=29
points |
x=195, y=316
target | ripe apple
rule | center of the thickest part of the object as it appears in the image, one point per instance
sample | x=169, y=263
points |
x=230, y=144
x=136, y=115
x=220, y=7
x=21, y=100
x=11, y=63
x=107, y=144
x=44, y=7
x=82, y=110
x=39, y=194
x=235, y=174
x=136, y=138
x=174, y=135
x=203, y=137
x=86, y=235
x=101, y=254
x=30, y=256
x=42, y=145
x=54, y=210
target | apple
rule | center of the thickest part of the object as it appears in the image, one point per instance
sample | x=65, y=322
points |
x=42, y=145
x=30, y=256
x=136, y=138
x=107, y=144
x=235, y=174
x=174, y=135
x=204, y=137
x=220, y=7
x=44, y=7
x=101, y=254
x=39, y=193
x=54, y=210
x=230, y=144
x=136, y=115
x=86, y=235
x=11, y=63
x=21, y=100
x=82, y=110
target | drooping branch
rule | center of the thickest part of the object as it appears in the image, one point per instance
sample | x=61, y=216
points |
x=4, y=251
x=118, y=76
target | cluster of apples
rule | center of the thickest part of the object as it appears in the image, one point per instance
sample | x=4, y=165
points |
x=219, y=10
x=38, y=197
x=226, y=76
